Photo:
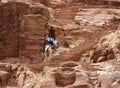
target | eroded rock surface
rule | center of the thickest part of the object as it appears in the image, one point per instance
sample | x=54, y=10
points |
x=85, y=34
x=22, y=26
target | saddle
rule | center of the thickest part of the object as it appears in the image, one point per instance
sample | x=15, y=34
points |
x=53, y=46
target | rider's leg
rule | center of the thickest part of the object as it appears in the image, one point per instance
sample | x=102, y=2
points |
x=50, y=52
x=46, y=53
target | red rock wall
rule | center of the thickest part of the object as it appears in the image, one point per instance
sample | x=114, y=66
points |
x=33, y=31
x=10, y=14
x=100, y=2
x=32, y=35
x=45, y=2
x=112, y=3
x=19, y=19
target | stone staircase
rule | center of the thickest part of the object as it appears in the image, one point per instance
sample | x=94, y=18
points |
x=93, y=78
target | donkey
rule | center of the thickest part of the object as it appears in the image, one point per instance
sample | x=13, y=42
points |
x=49, y=49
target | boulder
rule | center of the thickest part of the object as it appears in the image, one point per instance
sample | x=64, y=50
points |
x=109, y=80
x=21, y=80
x=4, y=77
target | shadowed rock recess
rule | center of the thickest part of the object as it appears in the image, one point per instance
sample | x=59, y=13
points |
x=88, y=33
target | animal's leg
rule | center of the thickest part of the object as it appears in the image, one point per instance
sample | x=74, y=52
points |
x=50, y=52
x=56, y=45
x=45, y=53
x=45, y=57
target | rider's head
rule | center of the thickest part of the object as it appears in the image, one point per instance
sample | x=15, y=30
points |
x=46, y=35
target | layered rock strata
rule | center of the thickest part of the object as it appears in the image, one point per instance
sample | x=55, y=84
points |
x=10, y=21
x=22, y=28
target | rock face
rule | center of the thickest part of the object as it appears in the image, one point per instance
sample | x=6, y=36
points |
x=33, y=31
x=69, y=75
x=111, y=42
x=98, y=16
x=4, y=76
x=16, y=18
x=10, y=14
x=23, y=1
x=22, y=28
x=101, y=2
x=110, y=80
x=107, y=48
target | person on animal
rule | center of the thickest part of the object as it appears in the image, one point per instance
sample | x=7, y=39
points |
x=50, y=43
x=50, y=38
